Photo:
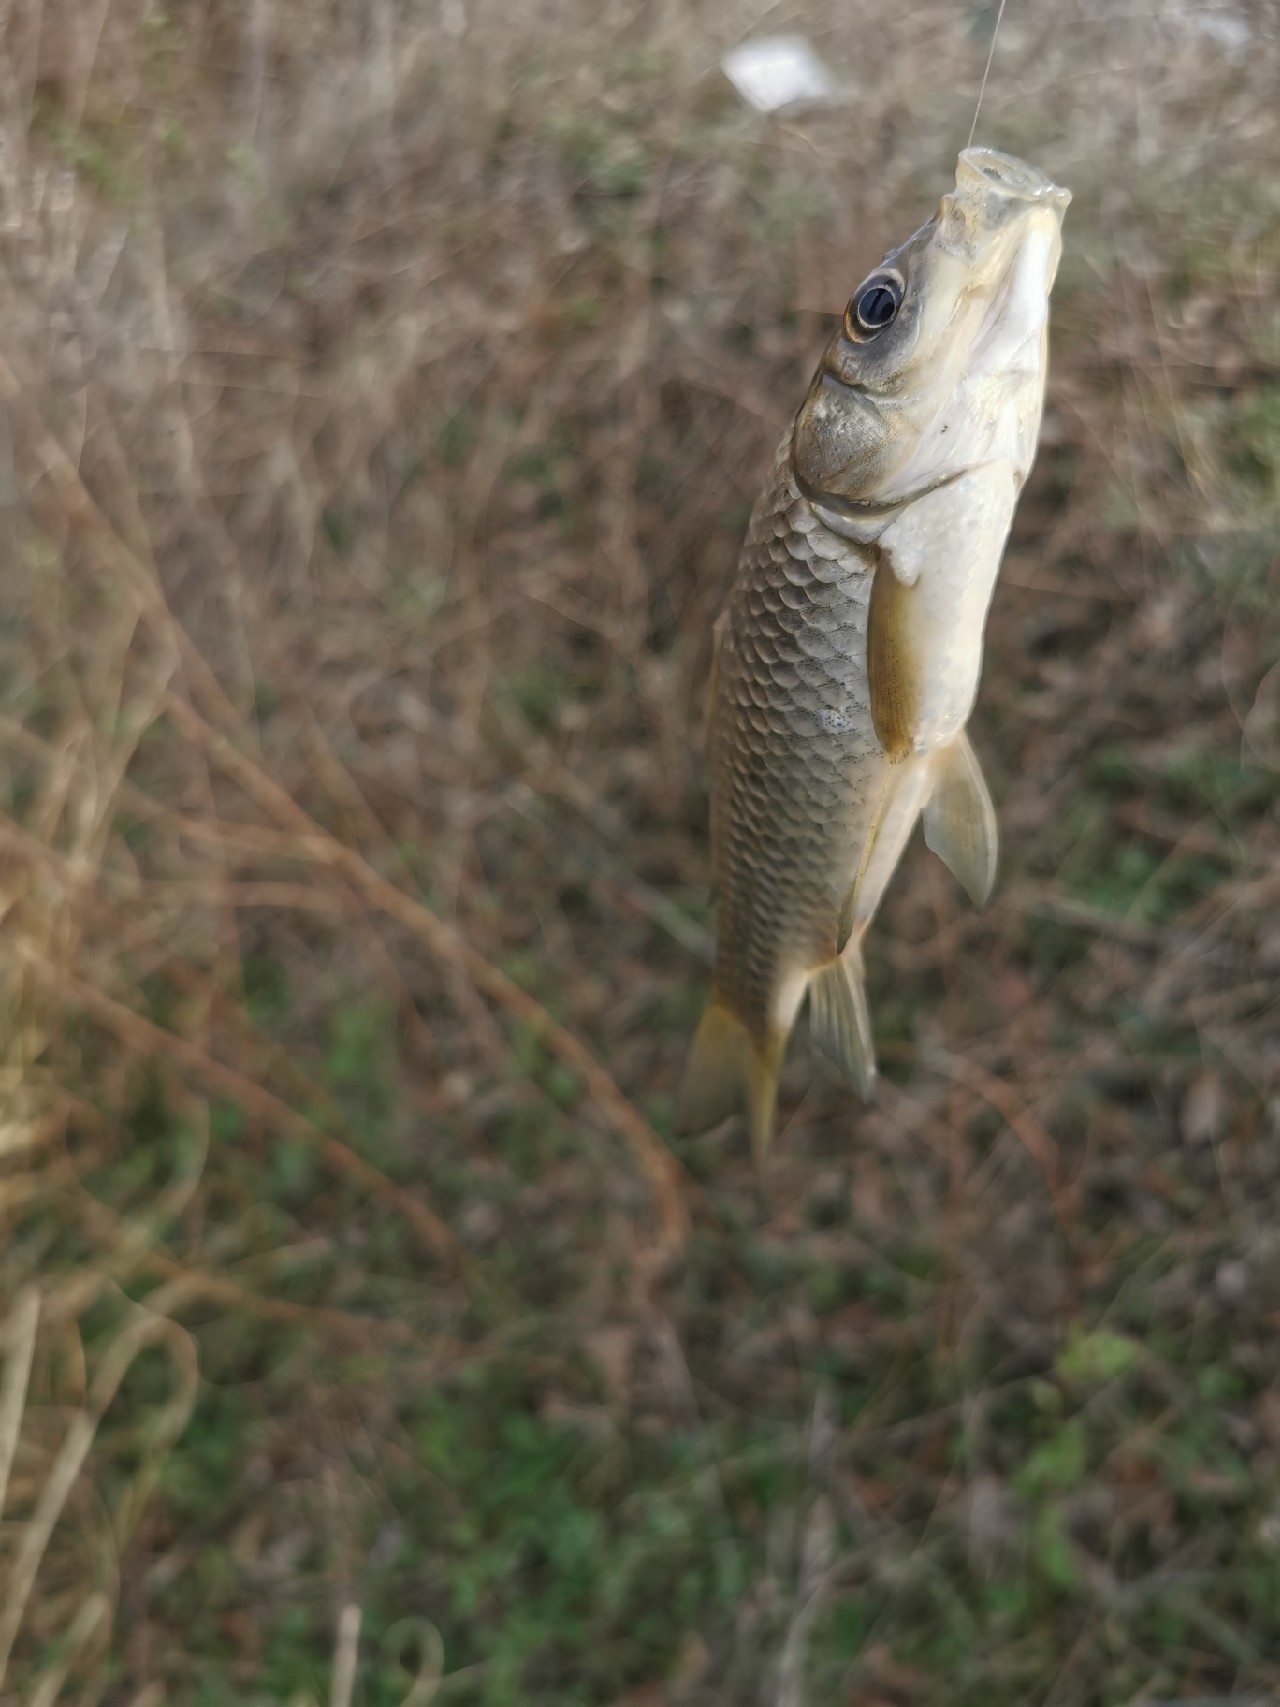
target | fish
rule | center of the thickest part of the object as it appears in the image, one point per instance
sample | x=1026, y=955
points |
x=847, y=656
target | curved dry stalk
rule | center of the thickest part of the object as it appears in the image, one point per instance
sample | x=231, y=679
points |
x=188, y=1282
x=666, y=1176
x=148, y=1038
x=430, y=1673
x=94, y=1613
x=1026, y=1129
x=146, y=1329
x=20, y=1332
x=346, y=1657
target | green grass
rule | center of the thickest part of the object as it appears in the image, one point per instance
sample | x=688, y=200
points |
x=565, y=1549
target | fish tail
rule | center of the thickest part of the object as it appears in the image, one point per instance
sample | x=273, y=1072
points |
x=839, y=1020
x=730, y=1070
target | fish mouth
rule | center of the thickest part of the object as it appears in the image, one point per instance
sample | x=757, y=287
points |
x=1010, y=179
x=997, y=205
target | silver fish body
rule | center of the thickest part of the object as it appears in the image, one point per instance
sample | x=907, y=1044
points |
x=848, y=655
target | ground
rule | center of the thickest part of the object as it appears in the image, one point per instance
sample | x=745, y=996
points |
x=385, y=389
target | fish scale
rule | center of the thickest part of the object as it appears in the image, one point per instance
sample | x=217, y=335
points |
x=793, y=750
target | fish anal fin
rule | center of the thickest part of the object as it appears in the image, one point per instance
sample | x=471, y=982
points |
x=839, y=1021
x=847, y=918
x=960, y=821
x=730, y=1070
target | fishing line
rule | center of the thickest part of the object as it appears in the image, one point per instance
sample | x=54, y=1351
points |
x=986, y=72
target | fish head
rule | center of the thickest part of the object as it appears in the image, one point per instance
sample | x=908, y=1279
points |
x=938, y=367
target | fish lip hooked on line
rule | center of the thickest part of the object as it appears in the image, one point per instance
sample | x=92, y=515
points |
x=1008, y=176
x=846, y=659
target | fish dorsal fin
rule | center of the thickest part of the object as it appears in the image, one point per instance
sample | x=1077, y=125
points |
x=839, y=1021
x=713, y=682
x=708, y=739
x=960, y=821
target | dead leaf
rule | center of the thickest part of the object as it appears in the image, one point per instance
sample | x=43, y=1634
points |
x=613, y=1350
x=647, y=1695
x=1203, y=1108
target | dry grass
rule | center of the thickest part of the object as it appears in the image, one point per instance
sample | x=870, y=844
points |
x=385, y=387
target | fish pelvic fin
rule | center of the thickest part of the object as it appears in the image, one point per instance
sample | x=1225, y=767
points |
x=903, y=792
x=960, y=821
x=730, y=1070
x=839, y=1020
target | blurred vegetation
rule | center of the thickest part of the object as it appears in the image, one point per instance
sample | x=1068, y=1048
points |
x=385, y=391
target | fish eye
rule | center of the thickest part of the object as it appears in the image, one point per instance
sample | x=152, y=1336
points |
x=874, y=306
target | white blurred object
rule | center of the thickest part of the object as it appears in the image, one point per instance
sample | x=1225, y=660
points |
x=778, y=71
x=1229, y=30
x=1223, y=27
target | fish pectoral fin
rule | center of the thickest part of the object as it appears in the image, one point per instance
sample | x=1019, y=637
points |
x=730, y=1070
x=960, y=821
x=894, y=665
x=839, y=1022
